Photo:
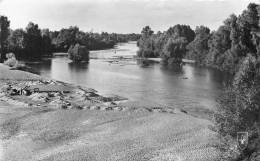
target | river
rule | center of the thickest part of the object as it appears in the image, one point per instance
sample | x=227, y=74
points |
x=190, y=87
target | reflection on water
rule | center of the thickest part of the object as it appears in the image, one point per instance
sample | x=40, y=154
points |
x=187, y=86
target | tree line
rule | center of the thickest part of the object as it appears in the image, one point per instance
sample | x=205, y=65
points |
x=34, y=43
x=223, y=49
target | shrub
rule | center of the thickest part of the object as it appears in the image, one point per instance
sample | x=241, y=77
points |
x=78, y=53
x=239, y=110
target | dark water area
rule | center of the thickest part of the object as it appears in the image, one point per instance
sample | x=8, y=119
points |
x=187, y=87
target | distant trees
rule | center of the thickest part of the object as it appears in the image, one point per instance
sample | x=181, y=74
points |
x=34, y=43
x=4, y=33
x=223, y=49
x=66, y=37
x=170, y=45
x=31, y=43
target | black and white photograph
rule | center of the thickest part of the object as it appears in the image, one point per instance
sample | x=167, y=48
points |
x=129, y=80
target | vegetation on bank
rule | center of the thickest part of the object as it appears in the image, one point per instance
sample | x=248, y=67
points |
x=169, y=45
x=239, y=111
x=234, y=47
x=224, y=48
x=34, y=43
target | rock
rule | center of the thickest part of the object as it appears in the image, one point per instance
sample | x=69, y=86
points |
x=117, y=108
x=51, y=94
x=87, y=90
x=108, y=108
x=56, y=102
x=91, y=94
x=80, y=92
x=158, y=110
x=112, y=97
x=110, y=103
x=103, y=108
x=86, y=107
x=42, y=97
x=57, y=94
x=77, y=107
x=183, y=111
x=94, y=108
x=63, y=106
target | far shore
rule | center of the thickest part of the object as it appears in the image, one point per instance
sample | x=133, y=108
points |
x=68, y=122
x=133, y=57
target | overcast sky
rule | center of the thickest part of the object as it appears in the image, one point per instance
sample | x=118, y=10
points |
x=121, y=16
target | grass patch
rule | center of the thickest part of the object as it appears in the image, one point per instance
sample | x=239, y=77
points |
x=56, y=136
x=9, y=128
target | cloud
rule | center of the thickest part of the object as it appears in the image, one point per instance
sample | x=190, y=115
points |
x=119, y=15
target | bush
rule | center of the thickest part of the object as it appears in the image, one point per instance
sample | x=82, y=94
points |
x=239, y=110
x=78, y=53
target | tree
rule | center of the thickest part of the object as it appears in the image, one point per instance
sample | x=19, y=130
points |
x=66, y=38
x=174, y=50
x=4, y=32
x=248, y=22
x=147, y=31
x=78, y=53
x=153, y=45
x=46, y=42
x=33, y=41
x=181, y=31
x=198, y=48
x=218, y=45
x=146, y=43
x=239, y=110
x=16, y=42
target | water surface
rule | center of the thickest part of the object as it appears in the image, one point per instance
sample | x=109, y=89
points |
x=189, y=87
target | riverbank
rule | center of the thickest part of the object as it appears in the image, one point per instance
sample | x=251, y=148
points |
x=76, y=123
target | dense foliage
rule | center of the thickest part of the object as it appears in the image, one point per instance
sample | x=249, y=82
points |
x=223, y=49
x=199, y=48
x=78, y=53
x=239, y=110
x=34, y=43
x=4, y=32
x=169, y=45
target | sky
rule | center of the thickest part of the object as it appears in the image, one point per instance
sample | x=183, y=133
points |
x=120, y=16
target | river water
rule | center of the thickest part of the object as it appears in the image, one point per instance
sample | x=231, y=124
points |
x=189, y=87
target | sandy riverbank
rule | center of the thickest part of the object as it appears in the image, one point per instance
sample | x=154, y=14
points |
x=83, y=125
